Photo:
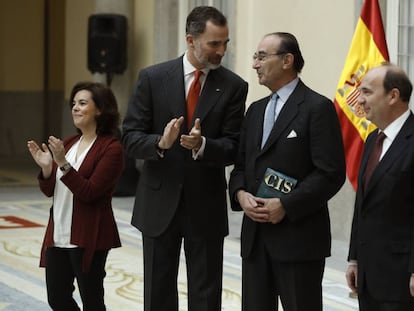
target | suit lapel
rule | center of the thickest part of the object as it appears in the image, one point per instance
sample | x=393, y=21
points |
x=400, y=143
x=173, y=86
x=212, y=90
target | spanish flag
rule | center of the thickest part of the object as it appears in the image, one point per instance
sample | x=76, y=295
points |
x=368, y=49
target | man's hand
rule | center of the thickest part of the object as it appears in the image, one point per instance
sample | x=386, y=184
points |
x=352, y=277
x=193, y=141
x=170, y=134
x=274, y=209
x=251, y=207
x=412, y=285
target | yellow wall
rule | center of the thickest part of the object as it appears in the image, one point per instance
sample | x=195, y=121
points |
x=324, y=39
x=143, y=36
x=57, y=45
x=21, y=51
x=76, y=39
x=324, y=36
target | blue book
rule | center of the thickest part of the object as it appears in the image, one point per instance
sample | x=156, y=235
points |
x=275, y=184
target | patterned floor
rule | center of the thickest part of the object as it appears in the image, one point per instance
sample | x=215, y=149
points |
x=23, y=214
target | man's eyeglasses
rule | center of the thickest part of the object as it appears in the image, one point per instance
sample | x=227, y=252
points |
x=261, y=57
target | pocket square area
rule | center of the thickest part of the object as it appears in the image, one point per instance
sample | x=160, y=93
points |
x=292, y=134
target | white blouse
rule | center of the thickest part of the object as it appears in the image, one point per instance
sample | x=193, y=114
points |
x=63, y=200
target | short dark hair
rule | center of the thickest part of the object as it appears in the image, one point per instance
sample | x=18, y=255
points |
x=107, y=121
x=289, y=44
x=396, y=78
x=198, y=17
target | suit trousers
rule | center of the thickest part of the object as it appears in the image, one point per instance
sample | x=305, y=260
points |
x=369, y=303
x=265, y=279
x=63, y=266
x=204, y=264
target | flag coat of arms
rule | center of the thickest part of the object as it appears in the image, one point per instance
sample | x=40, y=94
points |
x=368, y=49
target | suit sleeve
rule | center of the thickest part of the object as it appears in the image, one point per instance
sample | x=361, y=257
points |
x=237, y=176
x=328, y=161
x=138, y=126
x=222, y=147
x=352, y=254
x=47, y=185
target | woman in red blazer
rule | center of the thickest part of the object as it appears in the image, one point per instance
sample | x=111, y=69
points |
x=80, y=173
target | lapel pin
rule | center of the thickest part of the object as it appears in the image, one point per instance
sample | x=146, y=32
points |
x=218, y=90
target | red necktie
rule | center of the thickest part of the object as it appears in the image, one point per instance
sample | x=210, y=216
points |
x=192, y=97
x=373, y=158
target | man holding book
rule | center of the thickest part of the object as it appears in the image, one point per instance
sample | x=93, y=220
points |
x=290, y=163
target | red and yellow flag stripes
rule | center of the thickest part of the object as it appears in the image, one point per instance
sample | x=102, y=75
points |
x=368, y=49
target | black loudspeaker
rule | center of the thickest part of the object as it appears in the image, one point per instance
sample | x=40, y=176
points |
x=107, y=43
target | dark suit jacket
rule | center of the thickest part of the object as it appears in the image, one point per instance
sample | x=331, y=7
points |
x=159, y=96
x=382, y=237
x=93, y=223
x=314, y=156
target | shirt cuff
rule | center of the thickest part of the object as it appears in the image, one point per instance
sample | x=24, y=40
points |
x=199, y=154
x=160, y=151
